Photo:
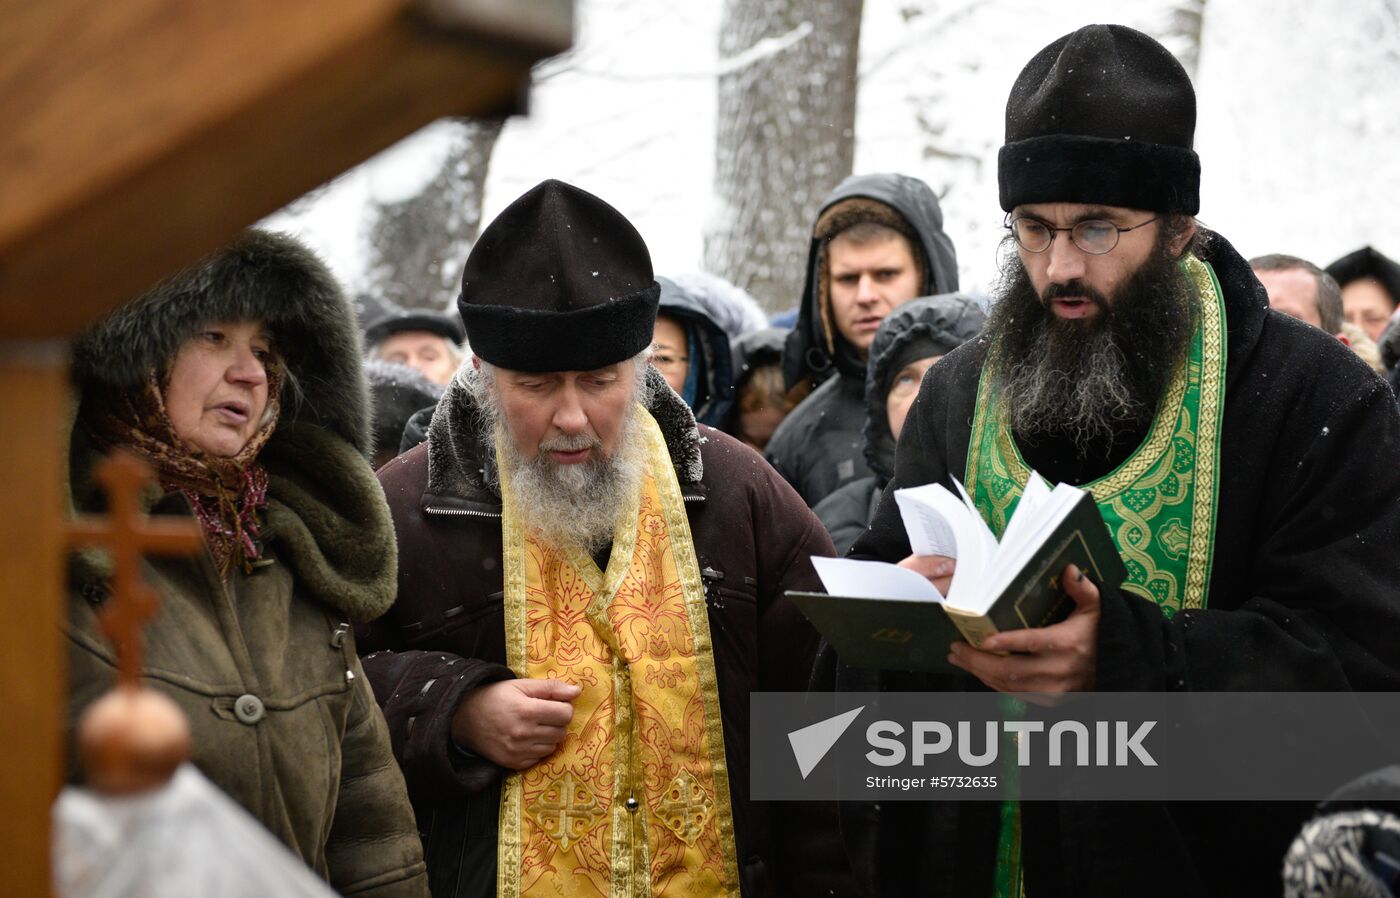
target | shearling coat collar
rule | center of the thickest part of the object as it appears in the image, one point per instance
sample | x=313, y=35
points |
x=461, y=462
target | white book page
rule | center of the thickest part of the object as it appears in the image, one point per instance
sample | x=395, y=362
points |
x=1033, y=497
x=973, y=539
x=982, y=537
x=874, y=580
x=930, y=533
x=1014, y=557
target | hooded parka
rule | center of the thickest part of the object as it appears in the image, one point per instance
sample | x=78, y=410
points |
x=818, y=447
x=264, y=665
x=710, y=384
x=942, y=323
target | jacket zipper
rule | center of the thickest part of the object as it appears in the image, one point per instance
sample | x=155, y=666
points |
x=462, y=512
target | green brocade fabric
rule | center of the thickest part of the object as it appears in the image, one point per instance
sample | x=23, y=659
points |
x=1159, y=505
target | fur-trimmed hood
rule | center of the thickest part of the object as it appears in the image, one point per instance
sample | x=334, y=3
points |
x=461, y=460
x=260, y=276
x=326, y=513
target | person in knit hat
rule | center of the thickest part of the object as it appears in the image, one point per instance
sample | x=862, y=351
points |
x=1246, y=464
x=878, y=242
x=590, y=586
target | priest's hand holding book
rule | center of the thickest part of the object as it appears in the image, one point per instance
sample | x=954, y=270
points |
x=1059, y=658
x=1027, y=604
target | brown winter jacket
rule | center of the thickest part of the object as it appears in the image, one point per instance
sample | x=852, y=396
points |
x=265, y=669
x=312, y=761
x=445, y=636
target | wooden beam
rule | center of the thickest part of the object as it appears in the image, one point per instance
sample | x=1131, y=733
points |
x=150, y=131
x=33, y=693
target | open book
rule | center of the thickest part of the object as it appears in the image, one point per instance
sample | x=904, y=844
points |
x=880, y=615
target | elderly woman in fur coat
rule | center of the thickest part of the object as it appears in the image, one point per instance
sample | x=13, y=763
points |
x=239, y=382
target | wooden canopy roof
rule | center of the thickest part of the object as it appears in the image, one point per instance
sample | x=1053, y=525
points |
x=138, y=135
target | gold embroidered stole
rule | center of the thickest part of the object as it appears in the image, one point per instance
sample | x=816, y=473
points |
x=635, y=801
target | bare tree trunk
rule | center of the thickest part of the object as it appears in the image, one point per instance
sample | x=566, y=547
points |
x=785, y=136
x=418, y=245
x=1183, y=32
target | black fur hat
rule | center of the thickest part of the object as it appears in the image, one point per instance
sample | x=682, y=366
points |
x=1368, y=262
x=260, y=276
x=391, y=320
x=560, y=281
x=1104, y=115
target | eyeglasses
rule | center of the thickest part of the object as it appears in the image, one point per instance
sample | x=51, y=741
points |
x=1093, y=236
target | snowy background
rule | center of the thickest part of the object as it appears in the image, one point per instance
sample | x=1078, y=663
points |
x=1298, y=127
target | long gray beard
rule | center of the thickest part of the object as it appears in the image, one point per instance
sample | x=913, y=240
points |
x=1088, y=402
x=1091, y=380
x=576, y=505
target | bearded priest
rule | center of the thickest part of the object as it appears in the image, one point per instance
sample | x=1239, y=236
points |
x=1247, y=466
x=590, y=586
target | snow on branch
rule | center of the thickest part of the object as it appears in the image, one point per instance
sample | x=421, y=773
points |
x=764, y=49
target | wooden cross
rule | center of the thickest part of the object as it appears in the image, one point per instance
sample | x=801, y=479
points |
x=129, y=534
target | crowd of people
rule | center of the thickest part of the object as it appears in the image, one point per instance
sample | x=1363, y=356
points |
x=518, y=660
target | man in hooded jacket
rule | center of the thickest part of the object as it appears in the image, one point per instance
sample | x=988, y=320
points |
x=818, y=447
x=1247, y=465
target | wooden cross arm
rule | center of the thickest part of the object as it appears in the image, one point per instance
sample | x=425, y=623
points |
x=175, y=537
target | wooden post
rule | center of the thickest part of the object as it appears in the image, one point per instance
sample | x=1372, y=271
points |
x=146, y=133
x=33, y=691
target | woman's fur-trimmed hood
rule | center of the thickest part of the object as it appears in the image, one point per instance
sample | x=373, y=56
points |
x=326, y=511
x=260, y=276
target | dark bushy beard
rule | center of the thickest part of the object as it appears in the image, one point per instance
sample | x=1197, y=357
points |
x=574, y=505
x=1090, y=379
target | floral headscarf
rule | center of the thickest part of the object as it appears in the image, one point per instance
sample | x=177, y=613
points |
x=226, y=494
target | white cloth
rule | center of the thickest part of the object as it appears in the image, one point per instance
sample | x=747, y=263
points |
x=187, y=838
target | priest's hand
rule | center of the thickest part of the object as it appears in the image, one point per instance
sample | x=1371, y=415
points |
x=515, y=723
x=937, y=568
x=1060, y=658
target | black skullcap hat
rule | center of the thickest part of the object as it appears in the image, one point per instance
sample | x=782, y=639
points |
x=560, y=281
x=1104, y=115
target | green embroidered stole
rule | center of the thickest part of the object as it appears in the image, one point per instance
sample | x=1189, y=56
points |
x=1159, y=505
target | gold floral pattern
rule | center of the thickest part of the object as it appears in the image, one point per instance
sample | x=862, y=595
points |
x=645, y=745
